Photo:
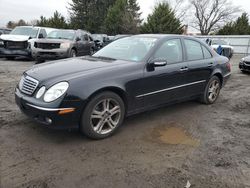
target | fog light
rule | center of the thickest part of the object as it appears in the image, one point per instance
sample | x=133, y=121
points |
x=48, y=120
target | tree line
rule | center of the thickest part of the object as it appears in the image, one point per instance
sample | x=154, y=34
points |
x=124, y=17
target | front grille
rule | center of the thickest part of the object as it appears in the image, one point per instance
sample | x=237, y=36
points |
x=247, y=62
x=28, y=85
x=47, y=45
x=47, y=53
x=15, y=45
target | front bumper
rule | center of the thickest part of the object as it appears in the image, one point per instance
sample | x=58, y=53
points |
x=244, y=67
x=48, y=116
x=15, y=52
x=50, y=54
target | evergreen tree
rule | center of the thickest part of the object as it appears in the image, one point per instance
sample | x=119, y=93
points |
x=56, y=21
x=89, y=14
x=123, y=18
x=239, y=27
x=116, y=14
x=134, y=9
x=162, y=20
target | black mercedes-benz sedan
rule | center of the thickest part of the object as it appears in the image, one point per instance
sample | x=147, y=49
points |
x=128, y=76
x=244, y=64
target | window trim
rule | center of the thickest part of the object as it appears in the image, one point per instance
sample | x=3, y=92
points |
x=169, y=39
x=186, y=50
x=202, y=47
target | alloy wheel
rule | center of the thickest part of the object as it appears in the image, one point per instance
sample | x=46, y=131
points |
x=105, y=116
x=213, y=90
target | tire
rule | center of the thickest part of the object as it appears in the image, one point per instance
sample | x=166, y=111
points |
x=244, y=72
x=10, y=58
x=38, y=61
x=73, y=53
x=102, y=116
x=212, y=91
x=91, y=52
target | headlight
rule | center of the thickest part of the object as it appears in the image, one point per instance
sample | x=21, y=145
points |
x=242, y=60
x=65, y=45
x=40, y=92
x=56, y=91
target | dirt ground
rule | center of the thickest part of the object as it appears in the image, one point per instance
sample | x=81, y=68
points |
x=209, y=146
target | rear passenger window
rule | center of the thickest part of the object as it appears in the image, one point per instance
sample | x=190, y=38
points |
x=207, y=54
x=193, y=49
x=171, y=51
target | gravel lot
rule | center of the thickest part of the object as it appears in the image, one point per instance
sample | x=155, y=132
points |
x=209, y=146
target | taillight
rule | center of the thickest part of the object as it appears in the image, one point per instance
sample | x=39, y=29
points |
x=229, y=66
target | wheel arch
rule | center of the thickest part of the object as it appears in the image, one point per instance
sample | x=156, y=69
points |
x=119, y=91
x=219, y=75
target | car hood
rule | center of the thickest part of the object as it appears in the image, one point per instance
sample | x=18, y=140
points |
x=71, y=68
x=246, y=59
x=53, y=41
x=16, y=38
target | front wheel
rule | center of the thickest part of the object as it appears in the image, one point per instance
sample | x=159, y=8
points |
x=102, y=115
x=10, y=58
x=212, y=91
x=72, y=53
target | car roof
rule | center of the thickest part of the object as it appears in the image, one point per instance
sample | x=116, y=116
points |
x=160, y=36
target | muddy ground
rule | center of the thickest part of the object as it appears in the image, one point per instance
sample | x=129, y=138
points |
x=209, y=146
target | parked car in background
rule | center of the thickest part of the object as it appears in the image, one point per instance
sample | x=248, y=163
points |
x=221, y=47
x=20, y=40
x=244, y=64
x=116, y=37
x=5, y=31
x=101, y=40
x=130, y=75
x=61, y=44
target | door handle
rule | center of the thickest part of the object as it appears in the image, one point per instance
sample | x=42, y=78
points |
x=184, y=69
x=210, y=64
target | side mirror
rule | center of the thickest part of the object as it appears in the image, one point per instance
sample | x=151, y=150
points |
x=78, y=39
x=158, y=62
x=86, y=38
x=40, y=36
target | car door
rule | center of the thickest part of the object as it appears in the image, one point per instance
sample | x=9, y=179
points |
x=200, y=66
x=165, y=84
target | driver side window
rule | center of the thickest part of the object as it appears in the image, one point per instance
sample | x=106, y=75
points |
x=171, y=51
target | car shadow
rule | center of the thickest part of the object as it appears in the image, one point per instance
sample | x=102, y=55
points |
x=130, y=123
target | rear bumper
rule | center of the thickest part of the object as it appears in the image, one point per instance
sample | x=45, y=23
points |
x=50, y=54
x=47, y=116
x=15, y=52
x=226, y=78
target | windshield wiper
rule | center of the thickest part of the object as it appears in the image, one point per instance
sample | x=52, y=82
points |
x=104, y=58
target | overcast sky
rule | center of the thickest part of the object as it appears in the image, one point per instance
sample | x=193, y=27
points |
x=33, y=9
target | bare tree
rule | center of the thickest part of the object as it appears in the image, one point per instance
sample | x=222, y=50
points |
x=179, y=7
x=212, y=14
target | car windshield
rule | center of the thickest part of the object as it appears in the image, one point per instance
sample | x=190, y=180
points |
x=27, y=31
x=219, y=42
x=98, y=37
x=62, y=34
x=128, y=49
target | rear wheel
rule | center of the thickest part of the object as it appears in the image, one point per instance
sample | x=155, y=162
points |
x=102, y=115
x=212, y=91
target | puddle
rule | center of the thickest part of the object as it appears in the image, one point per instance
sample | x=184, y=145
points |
x=176, y=136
